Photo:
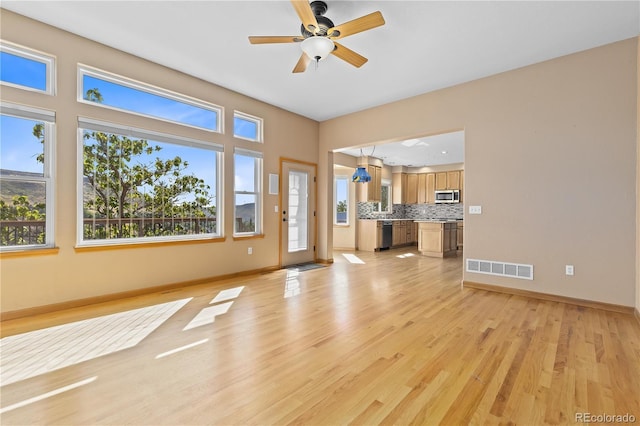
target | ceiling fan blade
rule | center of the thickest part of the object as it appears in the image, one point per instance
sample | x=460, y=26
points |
x=349, y=55
x=356, y=26
x=302, y=64
x=274, y=39
x=303, y=9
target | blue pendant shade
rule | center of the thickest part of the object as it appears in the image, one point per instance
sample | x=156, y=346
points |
x=361, y=175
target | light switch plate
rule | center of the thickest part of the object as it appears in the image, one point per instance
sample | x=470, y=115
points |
x=475, y=209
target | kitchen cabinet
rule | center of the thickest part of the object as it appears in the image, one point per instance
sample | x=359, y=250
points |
x=412, y=234
x=369, y=234
x=441, y=181
x=374, y=187
x=462, y=186
x=399, y=185
x=422, y=188
x=412, y=189
x=453, y=179
x=431, y=188
x=399, y=232
x=460, y=235
x=437, y=239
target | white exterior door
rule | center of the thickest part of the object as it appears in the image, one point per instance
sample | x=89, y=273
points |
x=298, y=206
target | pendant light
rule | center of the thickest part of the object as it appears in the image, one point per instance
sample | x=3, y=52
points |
x=361, y=175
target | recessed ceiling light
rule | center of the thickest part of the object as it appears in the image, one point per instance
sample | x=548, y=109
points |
x=444, y=152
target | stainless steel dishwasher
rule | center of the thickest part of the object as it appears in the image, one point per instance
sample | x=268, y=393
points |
x=387, y=234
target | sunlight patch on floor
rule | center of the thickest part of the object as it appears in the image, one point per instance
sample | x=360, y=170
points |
x=352, y=258
x=208, y=315
x=37, y=352
x=291, y=284
x=228, y=294
x=404, y=256
x=47, y=395
x=182, y=348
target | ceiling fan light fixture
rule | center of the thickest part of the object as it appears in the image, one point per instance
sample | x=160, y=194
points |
x=317, y=47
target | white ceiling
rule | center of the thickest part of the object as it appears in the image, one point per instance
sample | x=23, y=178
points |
x=447, y=148
x=424, y=45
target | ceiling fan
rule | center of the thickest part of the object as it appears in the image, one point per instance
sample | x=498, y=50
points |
x=318, y=34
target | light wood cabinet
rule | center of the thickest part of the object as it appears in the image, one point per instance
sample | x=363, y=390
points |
x=422, y=188
x=460, y=235
x=399, y=185
x=462, y=186
x=437, y=239
x=412, y=189
x=441, y=181
x=374, y=187
x=412, y=234
x=431, y=188
x=453, y=179
x=369, y=235
x=399, y=232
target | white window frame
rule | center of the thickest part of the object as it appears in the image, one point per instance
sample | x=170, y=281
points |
x=48, y=118
x=347, y=179
x=148, y=88
x=258, y=160
x=107, y=127
x=259, y=125
x=378, y=205
x=34, y=55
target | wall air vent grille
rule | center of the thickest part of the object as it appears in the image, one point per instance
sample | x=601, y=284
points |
x=514, y=270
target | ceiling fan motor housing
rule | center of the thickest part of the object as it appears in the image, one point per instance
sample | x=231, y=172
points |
x=319, y=8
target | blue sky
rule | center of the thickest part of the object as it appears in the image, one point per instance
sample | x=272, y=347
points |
x=19, y=148
x=25, y=72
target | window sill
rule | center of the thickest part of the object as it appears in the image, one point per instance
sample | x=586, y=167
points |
x=248, y=237
x=152, y=244
x=30, y=252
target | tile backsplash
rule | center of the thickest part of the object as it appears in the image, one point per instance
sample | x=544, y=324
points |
x=412, y=211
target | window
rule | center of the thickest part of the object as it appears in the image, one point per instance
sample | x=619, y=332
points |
x=247, y=192
x=121, y=93
x=247, y=127
x=26, y=69
x=26, y=185
x=384, y=206
x=138, y=186
x=341, y=200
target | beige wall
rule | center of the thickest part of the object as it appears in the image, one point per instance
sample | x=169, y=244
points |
x=69, y=275
x=550, y=155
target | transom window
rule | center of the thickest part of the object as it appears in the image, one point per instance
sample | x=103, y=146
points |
x=109, y=90
x=247, y=127
x=26, y=173
x=136, y=185
x=247, y=192
x=26, y=68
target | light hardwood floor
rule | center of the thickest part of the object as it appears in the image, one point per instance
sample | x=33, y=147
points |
x=394, y=340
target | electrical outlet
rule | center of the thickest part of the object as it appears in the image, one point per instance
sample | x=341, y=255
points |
x=475, y=209
x=568, y=269
x=250, y=250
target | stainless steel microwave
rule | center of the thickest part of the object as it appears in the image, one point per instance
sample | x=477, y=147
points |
x=448, y=196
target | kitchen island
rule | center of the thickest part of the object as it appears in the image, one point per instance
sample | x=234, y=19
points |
x=437, y=238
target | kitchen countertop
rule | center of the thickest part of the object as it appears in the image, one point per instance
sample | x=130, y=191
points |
x=438, y=220
x=420, y=220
